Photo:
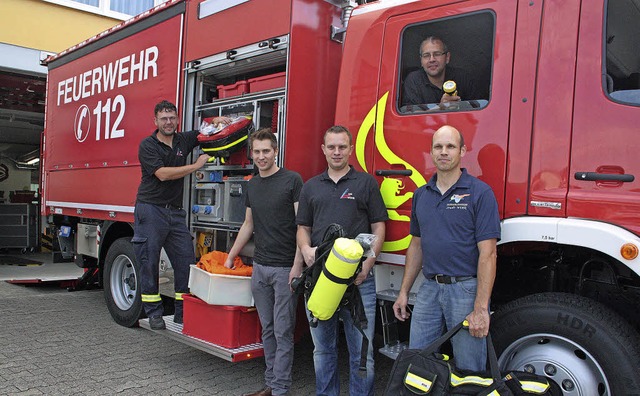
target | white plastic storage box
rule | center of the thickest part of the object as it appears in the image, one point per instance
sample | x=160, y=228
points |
x=220, y=289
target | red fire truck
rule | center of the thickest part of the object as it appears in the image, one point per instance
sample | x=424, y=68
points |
x=552, y=131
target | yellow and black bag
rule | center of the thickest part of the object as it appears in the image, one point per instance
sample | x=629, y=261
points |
x=428, y=372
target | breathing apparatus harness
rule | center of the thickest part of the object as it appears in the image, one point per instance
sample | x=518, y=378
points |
x=351, y=299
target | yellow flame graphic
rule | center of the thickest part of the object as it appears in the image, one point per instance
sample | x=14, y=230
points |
x=390, y=188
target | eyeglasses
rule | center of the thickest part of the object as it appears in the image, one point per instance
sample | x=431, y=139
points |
x=167, y=119
x=437, y=54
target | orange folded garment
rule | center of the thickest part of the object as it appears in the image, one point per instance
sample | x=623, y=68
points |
x=213, y=262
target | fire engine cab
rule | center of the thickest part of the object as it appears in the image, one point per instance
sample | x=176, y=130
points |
x=552, y=128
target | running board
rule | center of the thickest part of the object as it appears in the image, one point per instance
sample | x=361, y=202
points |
x=174, y=331
x=392, y=351
x=392, y=344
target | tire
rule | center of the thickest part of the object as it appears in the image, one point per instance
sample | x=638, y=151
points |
x=122, y=283
x=580, y=344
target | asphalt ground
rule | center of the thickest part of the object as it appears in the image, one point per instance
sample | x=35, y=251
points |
x=55, y=342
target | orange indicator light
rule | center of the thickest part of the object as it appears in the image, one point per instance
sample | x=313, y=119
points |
x=629, y=251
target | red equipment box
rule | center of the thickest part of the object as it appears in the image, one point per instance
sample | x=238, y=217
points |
x=225, y=325
x=264, y=83
x=227, y=91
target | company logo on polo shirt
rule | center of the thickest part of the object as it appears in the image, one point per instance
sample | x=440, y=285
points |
x=459, y=197
x=347, y=195
x=179, y=153
x=459, y=201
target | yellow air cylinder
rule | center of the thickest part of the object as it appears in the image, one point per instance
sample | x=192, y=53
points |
x=342, y=263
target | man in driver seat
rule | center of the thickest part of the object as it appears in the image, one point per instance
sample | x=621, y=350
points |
x=424, y=86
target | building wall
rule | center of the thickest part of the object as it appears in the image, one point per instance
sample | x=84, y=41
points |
x=47, y=27
x=30, y=30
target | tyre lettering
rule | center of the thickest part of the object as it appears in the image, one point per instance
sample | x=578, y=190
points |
x=576, y=324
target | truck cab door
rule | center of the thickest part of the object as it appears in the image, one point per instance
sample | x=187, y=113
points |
x=604, y=168
x=480, y=41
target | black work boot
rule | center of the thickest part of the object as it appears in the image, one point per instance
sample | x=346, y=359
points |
x=157, y=323
x=177, y=317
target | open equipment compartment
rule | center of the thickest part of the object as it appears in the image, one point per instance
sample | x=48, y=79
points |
x=218, y=87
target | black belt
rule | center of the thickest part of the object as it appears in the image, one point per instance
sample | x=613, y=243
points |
x=447, y=280
x=171, y=206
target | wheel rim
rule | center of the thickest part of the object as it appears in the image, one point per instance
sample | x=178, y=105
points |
x=560, y=359
x=123, y=282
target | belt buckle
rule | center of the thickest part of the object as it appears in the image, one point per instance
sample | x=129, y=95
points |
x=438, y=280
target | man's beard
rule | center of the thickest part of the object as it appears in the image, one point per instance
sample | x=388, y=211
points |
x=167, y=133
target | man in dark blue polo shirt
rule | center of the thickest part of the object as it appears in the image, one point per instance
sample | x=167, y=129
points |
x=455, y=226
x=352, y=199
x=159, y=220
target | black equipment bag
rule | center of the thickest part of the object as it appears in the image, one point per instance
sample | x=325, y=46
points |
x=428, y=372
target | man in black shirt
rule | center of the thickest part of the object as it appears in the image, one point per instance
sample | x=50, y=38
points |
x=160, y=220
x=424, y=86
x=272, y=202
x=352, y=199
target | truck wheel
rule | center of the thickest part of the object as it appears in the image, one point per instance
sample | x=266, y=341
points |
x=580, y=344
x=122, y=282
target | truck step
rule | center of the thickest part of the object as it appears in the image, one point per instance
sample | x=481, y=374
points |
x=174, y=331
x=392, y=295
x=392, y=351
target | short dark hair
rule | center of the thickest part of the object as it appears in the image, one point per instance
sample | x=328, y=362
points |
x=338, y=129
x=432, y=39
x=263, y=134
x=165, y=105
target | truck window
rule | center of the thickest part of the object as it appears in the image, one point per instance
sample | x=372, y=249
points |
x=622, y=73
x=458, y=49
